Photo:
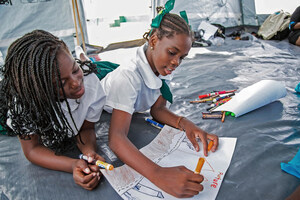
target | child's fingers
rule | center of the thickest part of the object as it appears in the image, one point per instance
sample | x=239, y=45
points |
x=94, y=156
x=204, y=142
x=215, y=140
x=195, y=143
x=94, y=168
x=89, y=181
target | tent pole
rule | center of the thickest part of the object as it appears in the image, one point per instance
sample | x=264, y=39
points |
x=82, y=34
x=242, y=12
x=75, y=21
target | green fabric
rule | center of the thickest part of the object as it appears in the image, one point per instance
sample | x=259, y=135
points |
x=2, y=131
x=166, y=92
x=184, y=16
x=168, y=7
x=104, y=67
x=298, y=88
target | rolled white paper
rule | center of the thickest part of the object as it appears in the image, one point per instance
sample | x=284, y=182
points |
x=253, y=97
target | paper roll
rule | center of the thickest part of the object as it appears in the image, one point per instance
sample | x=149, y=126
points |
x=253, y=97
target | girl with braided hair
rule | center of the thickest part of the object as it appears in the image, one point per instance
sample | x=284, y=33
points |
x=51, y=102
x=137, y=87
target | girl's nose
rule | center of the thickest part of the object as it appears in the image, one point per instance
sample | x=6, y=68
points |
x=175, y=62
x=75, y=83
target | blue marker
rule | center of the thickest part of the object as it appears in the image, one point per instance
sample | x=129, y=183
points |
x=154, y=123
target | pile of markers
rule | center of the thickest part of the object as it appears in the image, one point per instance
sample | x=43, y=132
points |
x=214, y=100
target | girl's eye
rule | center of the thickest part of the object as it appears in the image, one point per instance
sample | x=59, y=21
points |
x=172, y=53
x=76, y=70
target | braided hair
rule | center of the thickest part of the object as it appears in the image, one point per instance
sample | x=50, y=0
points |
x=30, y=91
x=170, y=25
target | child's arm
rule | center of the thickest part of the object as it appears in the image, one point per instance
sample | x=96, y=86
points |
x=177, y=181
x=161, y=113
x=44, y=157
x=87, y=144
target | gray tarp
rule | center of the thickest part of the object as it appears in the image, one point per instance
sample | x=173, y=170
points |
x=265, y=137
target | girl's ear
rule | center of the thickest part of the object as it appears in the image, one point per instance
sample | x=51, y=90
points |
x=153, y=39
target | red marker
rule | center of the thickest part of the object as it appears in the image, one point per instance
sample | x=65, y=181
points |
x=215, y=93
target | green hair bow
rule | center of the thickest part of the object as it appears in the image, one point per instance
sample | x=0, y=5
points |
x=168, y=7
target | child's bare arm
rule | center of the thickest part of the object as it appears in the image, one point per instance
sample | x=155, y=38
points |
x=162, y=114
x=44, y=157
x=177, y=181
x=40, y=155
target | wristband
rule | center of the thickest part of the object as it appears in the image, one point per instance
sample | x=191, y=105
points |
x=178, y=122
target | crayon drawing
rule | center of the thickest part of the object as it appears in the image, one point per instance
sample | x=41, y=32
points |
x=172, y=148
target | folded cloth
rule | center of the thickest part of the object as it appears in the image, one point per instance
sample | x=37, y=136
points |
x=298, y=88
x=292, y=167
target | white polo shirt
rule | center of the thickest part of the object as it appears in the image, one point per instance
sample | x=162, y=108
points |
x=89, y=107
x=133, y=86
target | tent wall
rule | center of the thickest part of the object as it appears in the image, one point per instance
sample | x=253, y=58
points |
x=23, y=16
x=229, y=13
x=248, y=12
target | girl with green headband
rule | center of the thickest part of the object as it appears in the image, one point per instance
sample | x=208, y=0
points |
x=136, y=87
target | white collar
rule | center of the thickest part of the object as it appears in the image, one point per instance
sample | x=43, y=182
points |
x=150, y=79
x=73, y=103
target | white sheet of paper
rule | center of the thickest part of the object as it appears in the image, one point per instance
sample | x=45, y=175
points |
x=172, y=148
x=253, y=97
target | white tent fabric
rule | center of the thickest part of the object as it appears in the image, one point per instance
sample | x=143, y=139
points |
x=21, y=17
x=229, y=13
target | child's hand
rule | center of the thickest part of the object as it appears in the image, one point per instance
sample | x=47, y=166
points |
x=193, y=132
x=91, y=157
x=178, y=181
x=84, y=176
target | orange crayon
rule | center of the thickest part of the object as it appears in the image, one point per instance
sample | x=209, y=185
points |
x=223, y=116
x=199, y=165
x=210, y=144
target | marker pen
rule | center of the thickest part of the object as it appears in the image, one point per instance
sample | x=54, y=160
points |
x=154, y=123
x=99, y=163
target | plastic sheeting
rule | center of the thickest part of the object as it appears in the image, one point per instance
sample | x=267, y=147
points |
x=266, y=136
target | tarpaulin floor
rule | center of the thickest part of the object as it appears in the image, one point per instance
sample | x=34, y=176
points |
x=265, y=137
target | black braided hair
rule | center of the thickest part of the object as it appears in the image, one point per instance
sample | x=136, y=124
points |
x=30, y=91
x=170, y=25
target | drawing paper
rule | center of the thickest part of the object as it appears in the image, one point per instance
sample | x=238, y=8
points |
x=171, y=148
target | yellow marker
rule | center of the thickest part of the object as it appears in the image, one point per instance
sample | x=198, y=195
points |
x=210, y=144
x=104, y=165
x=199, y=165
x=99, y=163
